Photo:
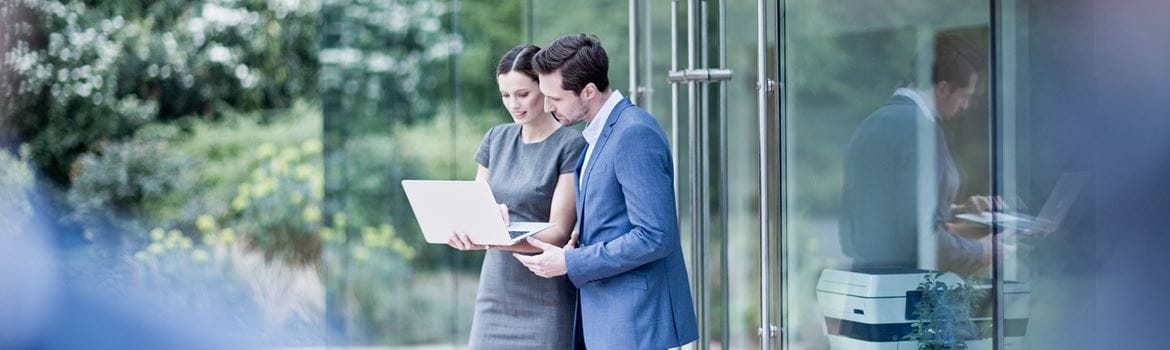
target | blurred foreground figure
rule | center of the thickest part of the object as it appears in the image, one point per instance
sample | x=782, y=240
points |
x=41, y=309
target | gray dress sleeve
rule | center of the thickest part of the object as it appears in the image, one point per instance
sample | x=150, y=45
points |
x=484, y=154
x=571, y=154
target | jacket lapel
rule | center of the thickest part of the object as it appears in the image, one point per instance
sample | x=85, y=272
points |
x=594, y=158
x=604, y=138
x=577, y=185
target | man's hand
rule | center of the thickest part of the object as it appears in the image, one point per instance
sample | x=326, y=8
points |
x=550, y=263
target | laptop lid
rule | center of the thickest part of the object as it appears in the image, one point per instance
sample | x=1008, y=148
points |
x=1055, y=208
x=1068, y=187
x=444, y=207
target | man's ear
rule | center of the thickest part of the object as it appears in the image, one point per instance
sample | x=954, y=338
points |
x=943, y=88
x=589, y=91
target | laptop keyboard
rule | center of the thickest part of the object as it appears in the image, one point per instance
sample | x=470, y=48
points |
x=515, y=234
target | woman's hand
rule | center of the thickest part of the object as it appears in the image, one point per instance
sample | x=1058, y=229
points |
x=504, y=214
x=979, y=204
x=459, y=240
x=572, y=241
x=991, y=242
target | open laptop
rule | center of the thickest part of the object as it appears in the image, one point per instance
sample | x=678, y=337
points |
x=445, y=207
x=1051, y=215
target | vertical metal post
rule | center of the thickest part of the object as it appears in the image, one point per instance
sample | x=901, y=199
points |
x=724, y=196
x=765, y=330
x=646, y=89
x=633, y=94
x=997, y=259
x=703, y=196
x=696, y=168
x=526, y=28
x=674, y=96
x=454, y=71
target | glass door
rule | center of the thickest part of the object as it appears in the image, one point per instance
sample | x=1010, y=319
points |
x=884, y=142
x=695, y=68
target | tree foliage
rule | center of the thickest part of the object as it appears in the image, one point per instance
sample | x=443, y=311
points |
x=85, y=73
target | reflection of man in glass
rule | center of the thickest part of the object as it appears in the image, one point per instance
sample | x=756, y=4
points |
x=900, y=179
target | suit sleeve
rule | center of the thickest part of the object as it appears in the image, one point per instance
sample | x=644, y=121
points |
x=644, y=173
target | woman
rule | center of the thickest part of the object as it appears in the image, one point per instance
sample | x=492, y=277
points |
x=529, y=165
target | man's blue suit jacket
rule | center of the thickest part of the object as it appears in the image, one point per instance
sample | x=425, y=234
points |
x=629, y=265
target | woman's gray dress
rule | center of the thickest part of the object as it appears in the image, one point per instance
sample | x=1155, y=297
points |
x=515, y=309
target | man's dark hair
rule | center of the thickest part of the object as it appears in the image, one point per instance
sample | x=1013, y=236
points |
x=955, y=59
x=518, y=59
x=581, y=60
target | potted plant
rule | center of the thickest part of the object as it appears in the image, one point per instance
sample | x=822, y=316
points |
x=943, y=313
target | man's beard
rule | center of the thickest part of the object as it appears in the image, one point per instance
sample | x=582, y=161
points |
x=561, y=119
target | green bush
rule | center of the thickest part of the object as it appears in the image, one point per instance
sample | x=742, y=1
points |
x=85, y=73
x=66, y=88
x=376, y=164
x=114, y=185
x=192, y=133
x=265, y=182
x=259, y=192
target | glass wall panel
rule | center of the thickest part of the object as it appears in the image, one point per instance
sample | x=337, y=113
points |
x=409, y=91
x=730, y=178
x=1082, y=142
x=161, y=175
x=608, y=20
x=736, y=159
x=884, y=142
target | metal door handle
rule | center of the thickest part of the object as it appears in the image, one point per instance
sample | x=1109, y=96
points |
x=763, y=86
x=702, y=75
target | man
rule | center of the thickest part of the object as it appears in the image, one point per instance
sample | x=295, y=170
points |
x=900, y=178
x=629, y=269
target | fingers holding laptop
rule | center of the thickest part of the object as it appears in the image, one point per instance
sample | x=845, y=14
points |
x=504, y=214
x=461, y=241
x=979, y=204
x=572, y=241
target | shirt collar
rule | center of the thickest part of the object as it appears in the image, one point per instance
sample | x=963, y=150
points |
x=925, y=104
x=593, y=131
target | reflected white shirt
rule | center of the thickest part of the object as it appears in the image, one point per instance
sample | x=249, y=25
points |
x=593, y=131
x=924, y=100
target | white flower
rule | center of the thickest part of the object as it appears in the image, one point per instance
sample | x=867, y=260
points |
x=223, y=17
x=84, y=90
x=55, y=41
x=219, y=54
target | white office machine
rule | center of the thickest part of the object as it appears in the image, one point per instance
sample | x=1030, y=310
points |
x=872, y=309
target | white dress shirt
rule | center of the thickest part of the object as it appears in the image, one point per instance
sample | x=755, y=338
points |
x=924, y=100
x=593, y=131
